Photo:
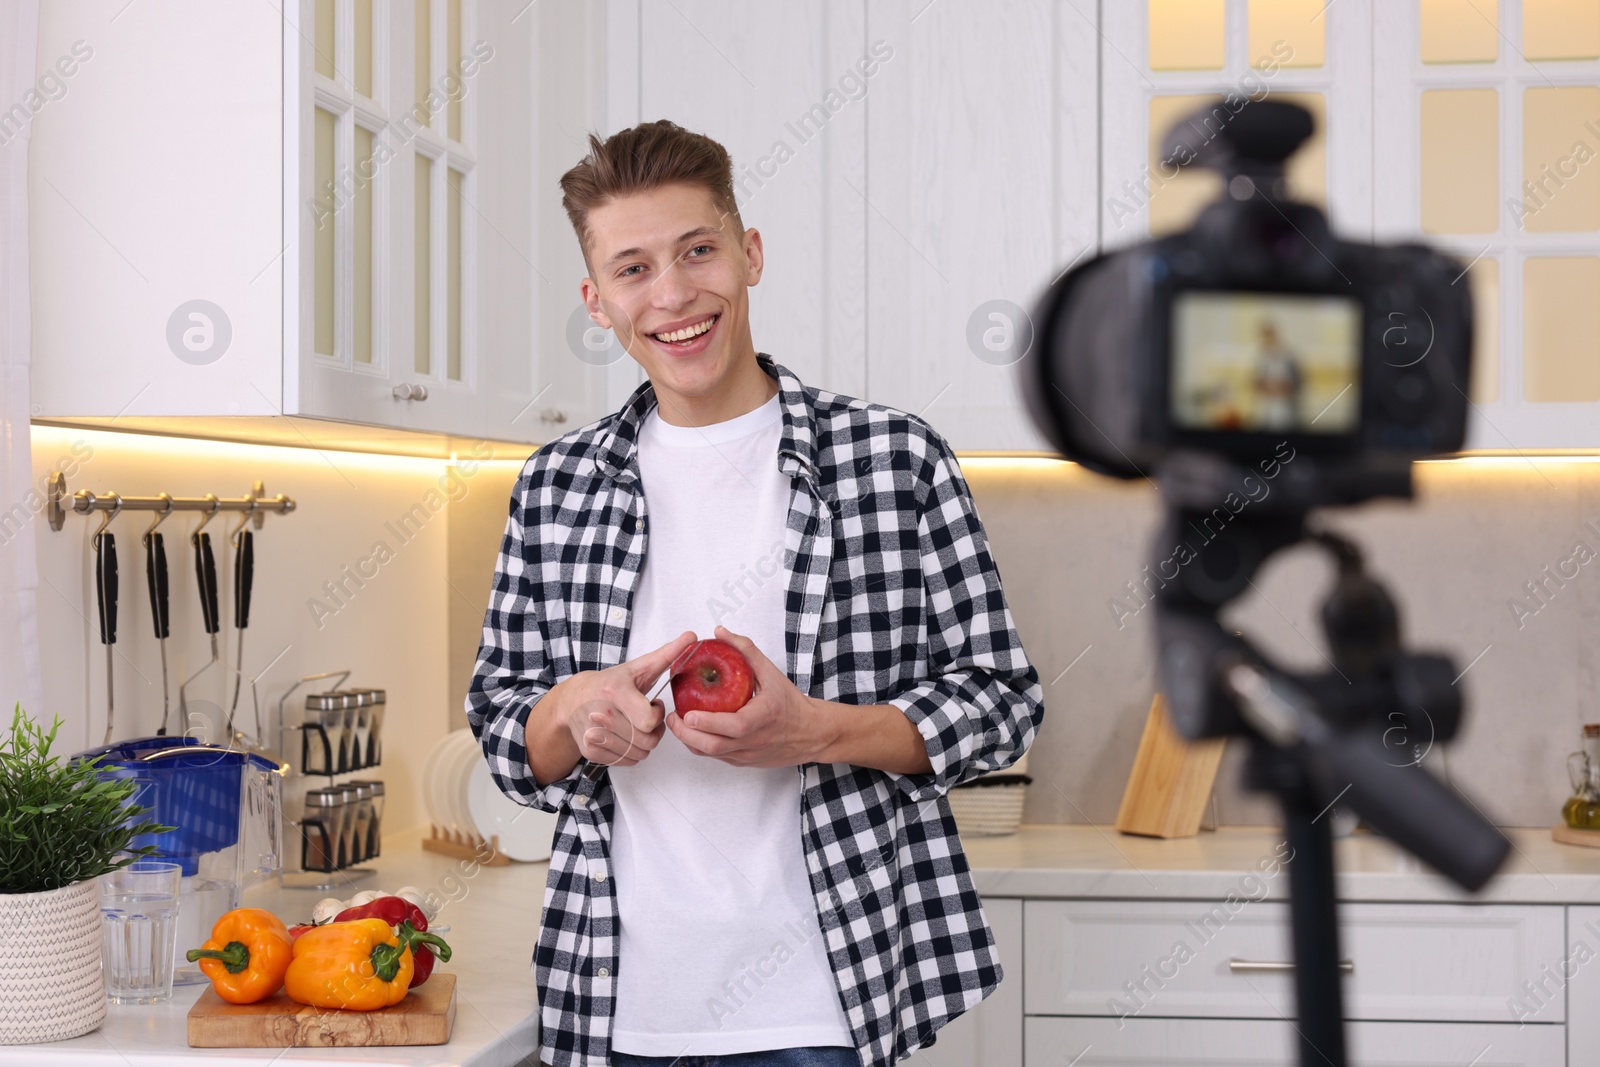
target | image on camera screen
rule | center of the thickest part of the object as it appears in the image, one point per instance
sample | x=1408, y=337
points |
x=1265, y=362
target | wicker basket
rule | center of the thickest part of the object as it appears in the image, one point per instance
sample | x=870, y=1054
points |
x=51, y=986
x=990, y=806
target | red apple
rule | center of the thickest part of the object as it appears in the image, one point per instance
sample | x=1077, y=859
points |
x=716, y=677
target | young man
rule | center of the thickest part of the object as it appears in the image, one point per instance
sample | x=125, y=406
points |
x=781, y=885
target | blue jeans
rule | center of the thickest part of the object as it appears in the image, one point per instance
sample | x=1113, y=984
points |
x=814, y=1056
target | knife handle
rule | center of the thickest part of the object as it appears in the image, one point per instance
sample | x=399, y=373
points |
x=105, y=586
x=205, y=573
x=244, y=566
x=155, y=572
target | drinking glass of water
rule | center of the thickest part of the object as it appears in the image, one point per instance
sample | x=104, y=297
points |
x=138, y=915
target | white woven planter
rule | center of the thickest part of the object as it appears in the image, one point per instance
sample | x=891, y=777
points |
x=988, y=811
x=51, y=986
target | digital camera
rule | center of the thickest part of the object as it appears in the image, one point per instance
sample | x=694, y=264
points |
x=1254, y=336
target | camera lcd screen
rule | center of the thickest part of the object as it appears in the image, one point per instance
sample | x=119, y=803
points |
x=1253, y=362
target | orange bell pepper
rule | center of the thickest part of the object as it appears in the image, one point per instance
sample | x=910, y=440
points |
x=247, y=955
x=358, y=964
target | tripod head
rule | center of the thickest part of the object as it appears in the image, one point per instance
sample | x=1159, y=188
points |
x=1255, y=348
x=1352, y=729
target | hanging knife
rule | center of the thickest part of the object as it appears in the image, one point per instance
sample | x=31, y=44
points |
x=105, y=588
x=244, y=565
x=155, y=573
x=205, y=576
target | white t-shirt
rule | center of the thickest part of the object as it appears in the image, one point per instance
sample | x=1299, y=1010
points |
x=720, y=949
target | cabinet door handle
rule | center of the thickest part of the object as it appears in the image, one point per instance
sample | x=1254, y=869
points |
x=1238, y=966
x=408, y=391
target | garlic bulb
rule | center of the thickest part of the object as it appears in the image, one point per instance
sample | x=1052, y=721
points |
x=326, y=909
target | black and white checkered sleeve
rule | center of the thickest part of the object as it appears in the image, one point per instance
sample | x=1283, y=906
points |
x=512, y=671
x=982, y=704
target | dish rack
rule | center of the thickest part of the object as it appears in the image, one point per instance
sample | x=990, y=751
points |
x=991, y=805
x=466, y=847
x=341, y=821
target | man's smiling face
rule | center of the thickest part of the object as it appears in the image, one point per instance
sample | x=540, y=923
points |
x=668, y=263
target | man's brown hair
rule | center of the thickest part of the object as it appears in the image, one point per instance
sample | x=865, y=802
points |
x=641, y=158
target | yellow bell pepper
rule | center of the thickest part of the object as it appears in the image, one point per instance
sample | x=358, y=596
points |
x=246, y=957
x=358, y=964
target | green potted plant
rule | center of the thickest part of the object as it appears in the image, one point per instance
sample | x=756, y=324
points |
x=61, y=826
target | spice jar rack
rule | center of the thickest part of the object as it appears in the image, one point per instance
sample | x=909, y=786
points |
x=340, y=827
x=342, y=731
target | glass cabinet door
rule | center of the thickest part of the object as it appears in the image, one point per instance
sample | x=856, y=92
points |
x=1169, y=59
x=1491, y=132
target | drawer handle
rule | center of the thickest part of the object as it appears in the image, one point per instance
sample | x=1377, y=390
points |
x=1238, y=966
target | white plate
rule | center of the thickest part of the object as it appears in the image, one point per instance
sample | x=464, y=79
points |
x=455, y=761
x=463, y=782
x=435, y=786
x=459, y=768
x=523, y=833
x=440, y=790
x=430, y=774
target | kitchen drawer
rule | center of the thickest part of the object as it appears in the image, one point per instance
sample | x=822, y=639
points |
x=1582, y=991
x=1054, y=1042
x=1429, y=962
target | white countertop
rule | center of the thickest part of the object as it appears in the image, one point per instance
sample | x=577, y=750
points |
x=1090, y=861
x=493, y=914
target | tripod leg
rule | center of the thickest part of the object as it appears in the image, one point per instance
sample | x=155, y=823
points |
x=1315, y=922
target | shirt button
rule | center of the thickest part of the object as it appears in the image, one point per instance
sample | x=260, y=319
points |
x=604, y=972
x=599, y=876
x=616, y=614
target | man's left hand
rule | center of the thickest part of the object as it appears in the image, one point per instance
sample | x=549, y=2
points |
x=779, y=726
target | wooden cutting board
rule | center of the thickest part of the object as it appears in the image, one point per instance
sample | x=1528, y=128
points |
x=1567, y=835
x=1171, y=779
x=424, y=1017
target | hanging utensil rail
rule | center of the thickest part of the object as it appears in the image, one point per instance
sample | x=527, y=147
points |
x=256, y=502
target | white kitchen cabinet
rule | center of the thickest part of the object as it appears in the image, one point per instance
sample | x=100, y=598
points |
x=1433, y=962
x=989, y=1035
x=1486, y=145
x=981, y=185
x=1465, y=136
x=917, y=173
x=1081, y=1042
x=770, y=83
x=184, y=228
x=1505, y=976
x=1573, y=979
x=1229, y=53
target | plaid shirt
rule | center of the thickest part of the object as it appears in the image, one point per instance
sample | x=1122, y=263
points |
x=892, y=599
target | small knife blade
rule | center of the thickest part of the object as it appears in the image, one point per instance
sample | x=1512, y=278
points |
x=594, y=769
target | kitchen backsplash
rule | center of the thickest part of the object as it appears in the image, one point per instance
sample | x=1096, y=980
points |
x=352, y=578
x=1072, y=547
x=385, y=563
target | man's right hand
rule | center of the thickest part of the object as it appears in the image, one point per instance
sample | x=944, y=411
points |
x=607, y=712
